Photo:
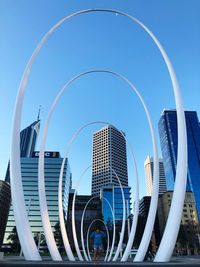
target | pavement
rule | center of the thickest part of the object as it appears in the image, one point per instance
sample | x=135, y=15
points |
x=187, y=261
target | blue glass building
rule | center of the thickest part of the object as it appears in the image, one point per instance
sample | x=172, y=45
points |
x=169, y=144
x=114, y=196
x=29, y=169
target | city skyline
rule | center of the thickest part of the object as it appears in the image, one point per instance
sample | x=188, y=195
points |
x=129, y=52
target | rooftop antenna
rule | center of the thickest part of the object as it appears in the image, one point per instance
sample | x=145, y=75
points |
x=38, y=116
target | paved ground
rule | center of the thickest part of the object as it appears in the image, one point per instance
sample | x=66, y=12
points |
x=176, y=261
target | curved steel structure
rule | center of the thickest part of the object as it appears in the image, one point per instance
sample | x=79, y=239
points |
x=82, y=220
x=73, y=218
x=153, y=205
x=88, y=250
x=171, y=231
x=136, y=208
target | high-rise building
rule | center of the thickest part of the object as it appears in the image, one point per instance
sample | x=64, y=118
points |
x=29, y=169
x=148, y=167
x=169, y=145
x=28, y=138
x=5, y=199
x=109, y=157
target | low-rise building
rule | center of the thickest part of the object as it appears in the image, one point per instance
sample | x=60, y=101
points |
x=187, y=241
x=5, y=199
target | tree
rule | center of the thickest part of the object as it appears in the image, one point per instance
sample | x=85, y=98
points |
x=58, y=236
x=188, y=238
x=13, y=237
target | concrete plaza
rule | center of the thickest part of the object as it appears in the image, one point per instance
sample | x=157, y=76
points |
x=175, y=261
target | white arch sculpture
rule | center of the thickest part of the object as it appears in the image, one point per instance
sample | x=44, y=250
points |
x=88, y=250
x=73, y=218
x=82, y=220
x=153, y=204
x=173, y=223
x=136, y=206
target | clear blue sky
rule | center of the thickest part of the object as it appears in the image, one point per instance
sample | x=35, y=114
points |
x=103, y=41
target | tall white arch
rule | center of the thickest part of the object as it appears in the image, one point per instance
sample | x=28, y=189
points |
x=73, y=217
x=136, y=206
x=173, y=223
x=82, y=220
x=153, y=204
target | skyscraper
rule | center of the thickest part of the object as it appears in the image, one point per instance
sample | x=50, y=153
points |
x=148, y=167
x=109, y=153
x=169, y=145
x=29, y=168
x=28, y=138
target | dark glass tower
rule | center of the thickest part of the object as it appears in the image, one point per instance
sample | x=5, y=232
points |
x=169, y=144
x=28, y=138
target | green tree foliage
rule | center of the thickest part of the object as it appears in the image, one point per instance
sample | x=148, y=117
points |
x=58, y=236
x=188, y=238
x=14, y=240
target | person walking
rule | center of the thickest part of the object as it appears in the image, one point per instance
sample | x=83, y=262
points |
x=97, y=238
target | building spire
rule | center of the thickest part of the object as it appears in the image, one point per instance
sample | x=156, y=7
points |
x=38, y=116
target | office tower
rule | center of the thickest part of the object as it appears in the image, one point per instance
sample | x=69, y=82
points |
x=29, y=169
x=5, y=199
x=148, y=167
x=93, y=212
x=109, y=153
x=169, y=145
x=28, y=138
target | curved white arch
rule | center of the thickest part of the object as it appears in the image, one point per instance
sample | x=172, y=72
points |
x=136, y=207
x=41, y=163
x=171, y=230
x=82, y=220
x=73, y=217
x=88, y=250
x=152, y=212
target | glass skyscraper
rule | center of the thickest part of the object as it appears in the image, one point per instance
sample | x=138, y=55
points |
x=169, y=144
x=28, y=138
x=29, y=168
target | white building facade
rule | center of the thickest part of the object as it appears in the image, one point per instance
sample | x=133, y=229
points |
x=148, y=167
x=109, y=159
